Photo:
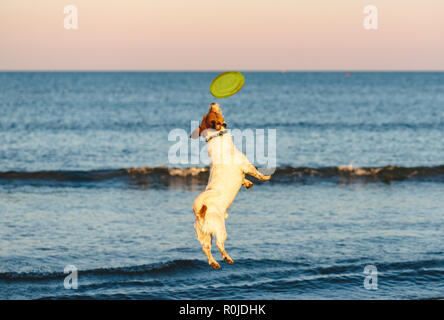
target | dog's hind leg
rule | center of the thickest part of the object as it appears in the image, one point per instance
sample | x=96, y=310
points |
x=206, y=248
x=224, y=253
x=205, y=240
x=220, y=242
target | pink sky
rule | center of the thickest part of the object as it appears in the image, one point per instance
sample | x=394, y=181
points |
x=221, y=35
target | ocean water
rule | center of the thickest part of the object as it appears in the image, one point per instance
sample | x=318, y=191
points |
x=85, y=180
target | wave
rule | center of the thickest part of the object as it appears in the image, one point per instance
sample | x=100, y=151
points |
x=246, y=279
x=155, y=268
x=168, y=267
x=199, y=175
x=271, y=267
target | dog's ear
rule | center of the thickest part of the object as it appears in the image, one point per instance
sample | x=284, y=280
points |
x=195, y=133
x=203, y=125
x=198, y=131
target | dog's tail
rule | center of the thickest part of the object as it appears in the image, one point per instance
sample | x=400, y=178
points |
x=200, y=207
x=201, y=213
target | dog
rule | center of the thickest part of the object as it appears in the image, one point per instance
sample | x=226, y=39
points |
x=227, y=174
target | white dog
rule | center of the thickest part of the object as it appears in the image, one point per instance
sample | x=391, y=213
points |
x=227, y=175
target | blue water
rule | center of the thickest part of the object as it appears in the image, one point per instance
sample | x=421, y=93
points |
x=66, y=197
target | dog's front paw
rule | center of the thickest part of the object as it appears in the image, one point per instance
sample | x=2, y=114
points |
x=266, y=178
x=215, y=265
x=248, y=184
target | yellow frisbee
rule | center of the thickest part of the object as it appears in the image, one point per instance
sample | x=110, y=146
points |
x=226, y=84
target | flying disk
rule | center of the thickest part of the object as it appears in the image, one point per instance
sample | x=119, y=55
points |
x=226, y=84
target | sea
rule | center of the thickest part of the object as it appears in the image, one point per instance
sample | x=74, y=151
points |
x=93, y=207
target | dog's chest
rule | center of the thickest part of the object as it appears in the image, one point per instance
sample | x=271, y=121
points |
x=221, y=149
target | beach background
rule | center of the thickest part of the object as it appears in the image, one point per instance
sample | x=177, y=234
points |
x=359, y=181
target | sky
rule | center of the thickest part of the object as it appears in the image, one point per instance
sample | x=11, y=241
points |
x=222, y=35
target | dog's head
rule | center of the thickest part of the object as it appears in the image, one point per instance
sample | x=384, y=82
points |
x=212, y=120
